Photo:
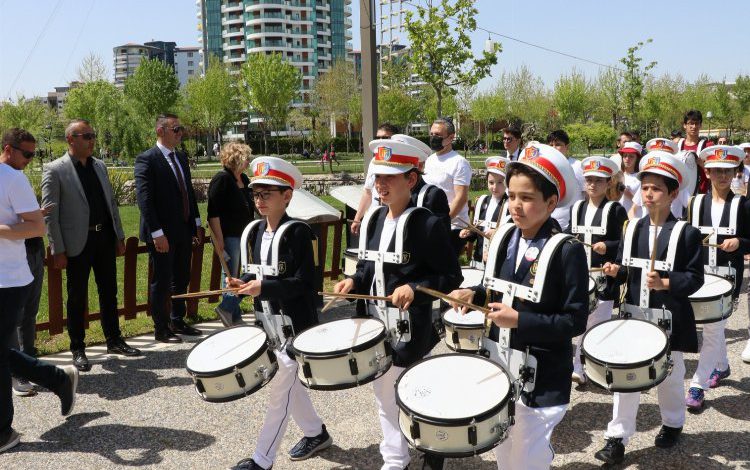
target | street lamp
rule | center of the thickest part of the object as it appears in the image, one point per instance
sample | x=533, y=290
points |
x=709, y=115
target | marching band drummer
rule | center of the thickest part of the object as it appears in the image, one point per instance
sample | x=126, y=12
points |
x=715, y=210
x=597, y=214
x=430, y=261
x=489, y=209
x=662, y=177
x=292, y=293
x=540, y=180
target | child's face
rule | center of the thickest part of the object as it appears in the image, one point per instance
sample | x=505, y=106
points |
x=654, y=193
x=596, y=186
x=271, y=200
x=560, y=147
x=527, y=205
x=628, y=161
x=496, y=184
x=721, y=178
x=394, y=188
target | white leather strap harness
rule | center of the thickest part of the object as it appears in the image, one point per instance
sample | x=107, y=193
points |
x=696, y=209
x=589, y=230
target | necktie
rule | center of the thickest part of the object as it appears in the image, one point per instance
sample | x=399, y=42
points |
x=183, y=189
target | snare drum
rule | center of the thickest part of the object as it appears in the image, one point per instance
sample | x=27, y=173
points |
x=342, y=354
x=713, y=301
x=472, y=276
x=626, y=355
x=463, y=333
x=231, y=363
x=454, y=405
x=592, y=294
x=350, y=261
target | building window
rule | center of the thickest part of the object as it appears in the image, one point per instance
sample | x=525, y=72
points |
x=190, y=63
x=190, y=54
x=190, y=72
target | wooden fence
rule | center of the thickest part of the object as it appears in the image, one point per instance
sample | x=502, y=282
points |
x=134, y=261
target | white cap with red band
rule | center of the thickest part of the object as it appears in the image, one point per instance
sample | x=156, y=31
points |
x=631, y=147
x=497, y=165
x=414, y=142
x=599, y=166
x=660, y=143
x=744, y=146
x=553, y=165
x=721, y=156
x=393, y=157
x=664, y=163
x=275, y=171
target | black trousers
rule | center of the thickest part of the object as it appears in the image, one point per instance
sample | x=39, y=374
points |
x=18, y=364
x=99, y=255
x=170, y=276
x=457, y=242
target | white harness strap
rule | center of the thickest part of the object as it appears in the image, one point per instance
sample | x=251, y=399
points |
x=713, y=232
x=589, y=231
x=422, y=194
x=478, y=207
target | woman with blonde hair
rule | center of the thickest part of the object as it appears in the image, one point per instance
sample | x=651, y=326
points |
x=230, y=209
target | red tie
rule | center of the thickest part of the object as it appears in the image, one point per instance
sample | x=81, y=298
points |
x=183, y=189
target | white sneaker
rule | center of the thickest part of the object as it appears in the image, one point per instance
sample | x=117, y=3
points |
x=579, y=378
x=746, y=353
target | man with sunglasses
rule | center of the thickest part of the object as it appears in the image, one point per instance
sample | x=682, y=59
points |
x=169, y=226
x=85, y=233
x=512, y=142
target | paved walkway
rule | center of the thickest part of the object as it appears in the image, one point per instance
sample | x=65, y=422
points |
x=145, y=412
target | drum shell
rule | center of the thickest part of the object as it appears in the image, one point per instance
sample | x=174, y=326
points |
x=333, y=370
x=712, y=309
x=593, y=301
x=450, y=437
x=224, y=385
x=468, y=336
x=350, y=262
x=626, y=378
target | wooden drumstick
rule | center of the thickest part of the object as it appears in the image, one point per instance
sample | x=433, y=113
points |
x=713, y=245
x=473, y=228
x=705, y=239
x=338, y=295
x=596, y=270
x=205, y=293
x=454, y=300
x=219, y=255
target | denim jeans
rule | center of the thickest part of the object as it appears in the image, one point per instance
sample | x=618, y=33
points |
x=231, y=302
x=26, y=334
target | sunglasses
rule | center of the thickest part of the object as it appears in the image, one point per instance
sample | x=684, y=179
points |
x=175, y=129
x=86, y=136
x=27, y=154
x=507, y=139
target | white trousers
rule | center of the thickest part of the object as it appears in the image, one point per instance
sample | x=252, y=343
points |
x=393, y=448
x=602, y=313
x=671, y=395
x=287, y=397
x=713, y=354
x=527, y=446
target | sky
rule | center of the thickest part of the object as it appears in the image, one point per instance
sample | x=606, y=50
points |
x=42, y=42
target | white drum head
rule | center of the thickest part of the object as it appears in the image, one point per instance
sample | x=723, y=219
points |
x=338, y=335
x=453, y=386
x=226, y=349
x=472, y=318
x=623, y=341
x=472, y=276
x=712, y=286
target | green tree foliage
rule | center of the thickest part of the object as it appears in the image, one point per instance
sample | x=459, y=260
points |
x=441, y=47
x=153, y=88
x=591, y=135
x=574, y=98
x=267, y=87
x=209, y=103
x=337, y=94
x=634, y=77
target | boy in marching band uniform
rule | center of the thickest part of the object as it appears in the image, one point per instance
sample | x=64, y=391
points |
x=427, y=260
x=598, y=223
x=719, y=211
x=539, y=181
x=292, y=293
x=662, y=177
x=490, y=209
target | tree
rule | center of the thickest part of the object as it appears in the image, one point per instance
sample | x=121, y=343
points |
x=573, y=98
x=398, y=107
x=726, y=108
x=634, y=75
x=335, y=92
x=92, y=69
x=25, y=113
x=441, y=58
x=153, y=88
x=268, y=84
x=609, y=94
x=592, y=135
x=661, y=109
x=487, y=108
x=527, y=101
x=208, y=101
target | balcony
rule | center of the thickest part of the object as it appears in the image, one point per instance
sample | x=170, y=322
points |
x=234, y=58
x=233, y=33
x=347, y=10
x=232, y=20
x=230, y=46
x=231, y=7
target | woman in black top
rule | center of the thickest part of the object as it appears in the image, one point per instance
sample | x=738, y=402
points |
x=230, y=209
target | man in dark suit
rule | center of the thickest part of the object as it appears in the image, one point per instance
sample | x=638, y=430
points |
x=169, y=222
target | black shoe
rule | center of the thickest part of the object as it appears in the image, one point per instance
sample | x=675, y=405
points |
x=667, y=437
x=308, y=446
x=81, y=361
x=179, y=326
x=432, y=462
x=613, y=451
x=249, y=464
x=67, y=390
x=119, y=346
x=9, y=440
x=167, y=336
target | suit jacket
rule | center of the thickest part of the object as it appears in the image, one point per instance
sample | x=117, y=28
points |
x=547, y=327
x=431, y=263
x=295, y=289
x=68, y=221
x=159, y=197
x=685, y=279
x=435, y=200
x=743, y=234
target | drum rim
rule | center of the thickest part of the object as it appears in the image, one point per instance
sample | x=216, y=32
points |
x=634, y=389
x=462, y=326
x=243, y=363
x=471, y=453
x=347, y=385
x=245, y=393
x=715, y=296
x=713, y=320
x=617, y=365
x=293, y=351
x=453, y=421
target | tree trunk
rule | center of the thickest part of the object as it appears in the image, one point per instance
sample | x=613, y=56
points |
x=348, y=134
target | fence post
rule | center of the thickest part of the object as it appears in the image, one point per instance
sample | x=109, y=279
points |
x=54, y=296
x=336, y=255
x=196, y=270
x=130, y=269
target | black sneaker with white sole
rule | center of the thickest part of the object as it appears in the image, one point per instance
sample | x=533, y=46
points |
x=308, y=446
x=67, y=390
x=9, y=440
x=249, y=464
x=613, y=451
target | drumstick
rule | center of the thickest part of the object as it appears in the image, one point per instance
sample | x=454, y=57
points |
x=473, y=228
x=596, y=270
x=205, y=293
x=713, y=245
x=705, y=239
x=454, y=300
x=584, y=243
x=220, y=255
x=356, y=296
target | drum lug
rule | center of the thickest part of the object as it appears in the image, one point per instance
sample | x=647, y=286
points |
x=609, y=378
x=454, y=338
x=472, y=434
x=239, y=378
x=652, y=370
x=583, y=359
x=414, y=428
x=512, y=410
x=306, y=370
x=353, y=366
x=199, y=386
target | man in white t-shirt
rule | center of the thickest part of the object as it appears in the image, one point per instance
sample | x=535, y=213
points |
x=560, y=140
x=21, y=218
x=451, y=172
